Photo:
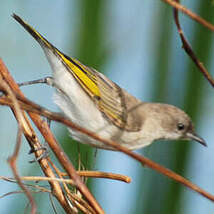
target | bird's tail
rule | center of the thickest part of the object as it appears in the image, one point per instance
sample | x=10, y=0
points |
x=85, y=76
x=36, y=35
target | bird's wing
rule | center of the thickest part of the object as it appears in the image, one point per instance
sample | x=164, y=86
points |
x=119, y=107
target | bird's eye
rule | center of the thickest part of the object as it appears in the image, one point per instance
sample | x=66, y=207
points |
x=180, y=126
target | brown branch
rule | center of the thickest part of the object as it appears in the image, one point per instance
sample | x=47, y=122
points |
x=35, y=145
x=93, y=174
x=189, y=50
x=80, y=203
x=45, y=131
x=12, y=160
x=107, y=175
x=30, y=106
x=144, y=161
x=64, y=160
x=188, y=12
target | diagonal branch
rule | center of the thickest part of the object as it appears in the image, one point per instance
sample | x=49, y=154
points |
x=189, y=13
x=22, y=125
x=189, y=50
x=45, y=131
x=29, y=106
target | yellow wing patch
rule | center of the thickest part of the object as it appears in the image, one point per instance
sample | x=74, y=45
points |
x=86, y=79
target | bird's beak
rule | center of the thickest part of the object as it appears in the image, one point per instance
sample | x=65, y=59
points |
x=193, y=136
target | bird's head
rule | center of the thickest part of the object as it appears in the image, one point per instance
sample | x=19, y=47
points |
x=170, y=123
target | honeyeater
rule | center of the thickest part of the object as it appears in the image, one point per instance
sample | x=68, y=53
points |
x=92, y=101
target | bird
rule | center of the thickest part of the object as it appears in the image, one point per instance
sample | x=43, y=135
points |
x=91, y=100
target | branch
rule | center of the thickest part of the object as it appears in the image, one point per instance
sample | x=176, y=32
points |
x=29, y=106
x=189, y=13
x=63, y=159
x=189, y=50
x=22, y=125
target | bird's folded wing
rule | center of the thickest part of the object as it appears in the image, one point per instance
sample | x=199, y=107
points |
x=116, y=104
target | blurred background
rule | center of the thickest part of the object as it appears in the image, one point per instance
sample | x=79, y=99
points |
x=134, y=43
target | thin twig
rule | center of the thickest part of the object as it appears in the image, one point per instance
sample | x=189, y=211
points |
x=107, y=175
x=188, y=12
x=93, y=174
x=12, y=161
x=81, y=204
x=189, y=50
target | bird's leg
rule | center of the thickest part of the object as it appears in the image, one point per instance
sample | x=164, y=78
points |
x=49, y=81
x=46, y=80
